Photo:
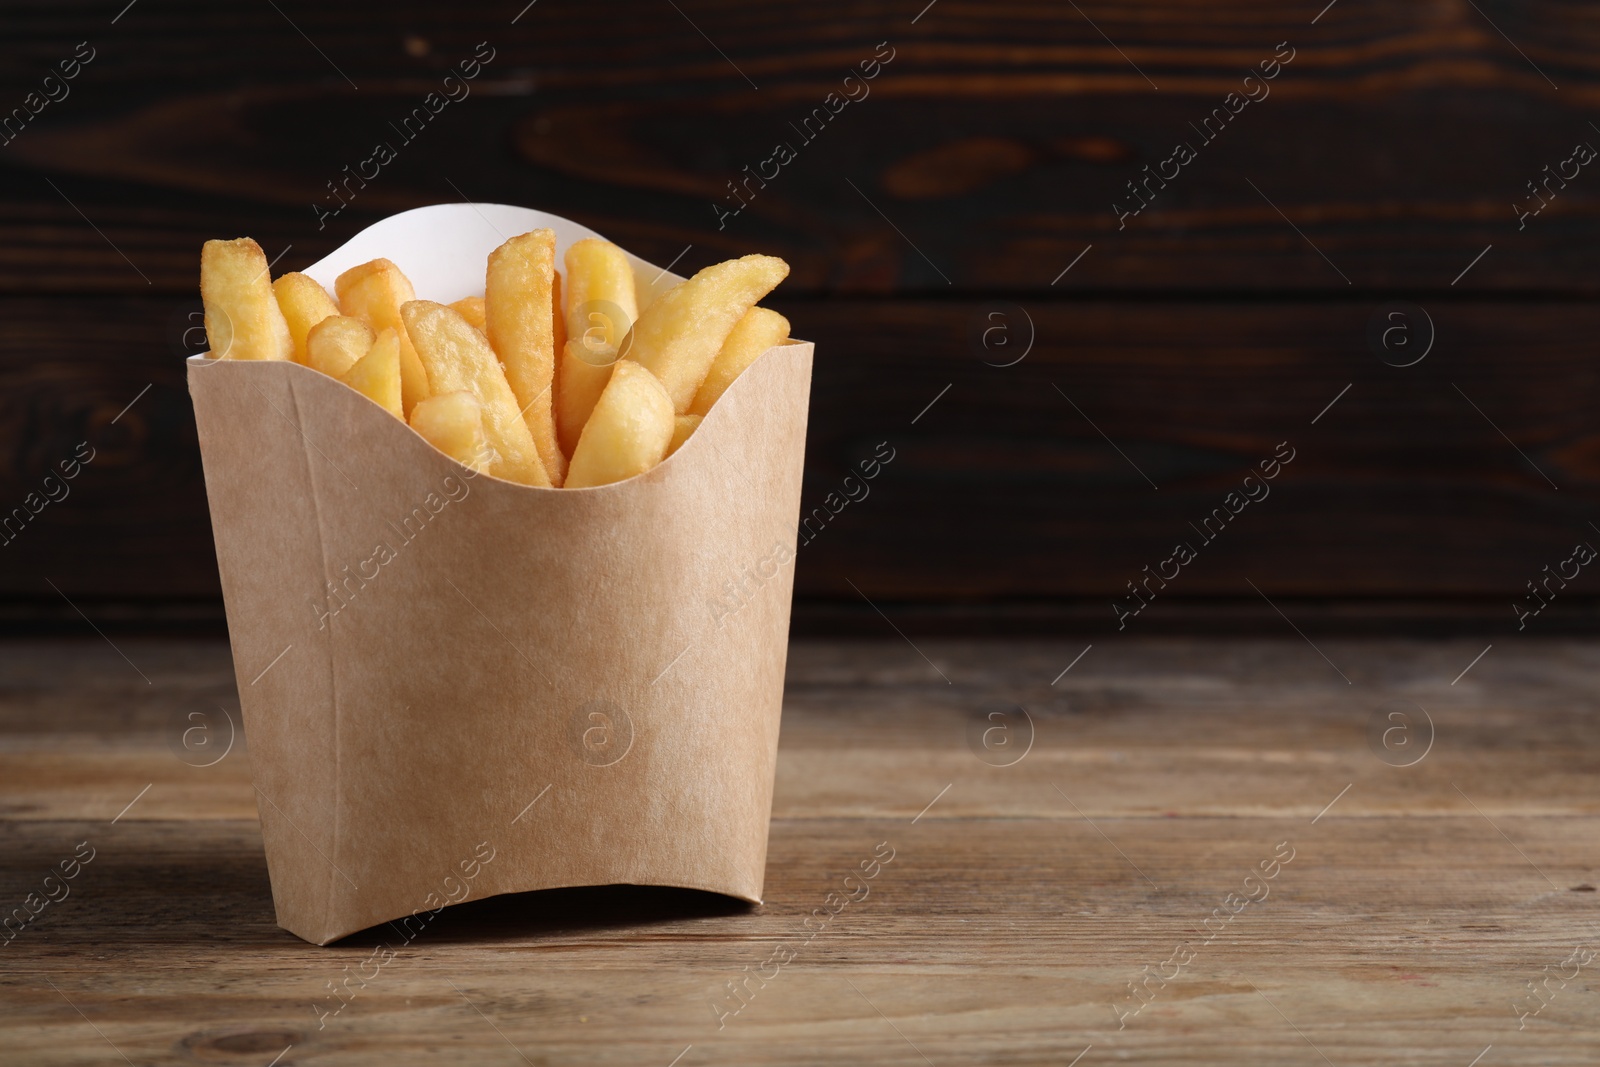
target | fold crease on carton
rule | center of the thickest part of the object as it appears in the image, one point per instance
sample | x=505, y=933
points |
x=478, y=687
x=311, y=492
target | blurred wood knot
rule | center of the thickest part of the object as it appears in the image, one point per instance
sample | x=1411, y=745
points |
x=227, y=1046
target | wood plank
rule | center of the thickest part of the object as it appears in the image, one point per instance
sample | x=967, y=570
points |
x=1038, y=478
x=1017, y=618
x=996, y=140
x=877, y=729
x=992, y=939
x=1001, y=488
x=1005, y=929
x=101, y=380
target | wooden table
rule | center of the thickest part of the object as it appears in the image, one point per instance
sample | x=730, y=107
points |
x=1397, y=914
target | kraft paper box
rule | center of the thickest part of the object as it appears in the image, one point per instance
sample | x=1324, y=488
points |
x=455, y=686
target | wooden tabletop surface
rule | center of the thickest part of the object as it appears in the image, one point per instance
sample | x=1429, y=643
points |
x=1209, y=854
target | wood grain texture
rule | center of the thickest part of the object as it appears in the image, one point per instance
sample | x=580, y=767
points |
x=1386, y=162
x=1004, y=489
x=995, y=140
x=1020, y=903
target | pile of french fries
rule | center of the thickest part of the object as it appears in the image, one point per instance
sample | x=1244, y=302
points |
x=517, y=383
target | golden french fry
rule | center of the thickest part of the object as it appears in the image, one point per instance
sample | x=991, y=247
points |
x=335, y=344
x=376, y=375
x=304, y=303
x=243, y=320
x=682, y=427
x=679, y=335
x=752, y=335
x=375, y=292
x=601, y=305
x=580, y=379
x=458, y=357
x=602, y=302
x=517, y=301
x=628, y=432
x=453, y=423
x=471, y=309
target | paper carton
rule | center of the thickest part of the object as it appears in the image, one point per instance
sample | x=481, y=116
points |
x=455, y=686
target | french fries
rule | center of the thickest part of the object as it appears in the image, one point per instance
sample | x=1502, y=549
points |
x=601, y=307
x=682, y=427
x=752, y=335
x=602, y=303
x=518, y=298
x=376, y=375
x=304, y=303
x=517, y=383
x=678, y=337
x=453, y=423
x=629, y=431
x=471, y=309
x=580, y=379
x=335, y=344
x=375, y=292
x=243, y=320
x=458, y=357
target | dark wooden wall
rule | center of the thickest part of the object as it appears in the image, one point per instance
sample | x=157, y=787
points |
x=1212, y=326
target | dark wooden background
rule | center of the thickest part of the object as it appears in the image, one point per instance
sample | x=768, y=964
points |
x=1196, y=339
